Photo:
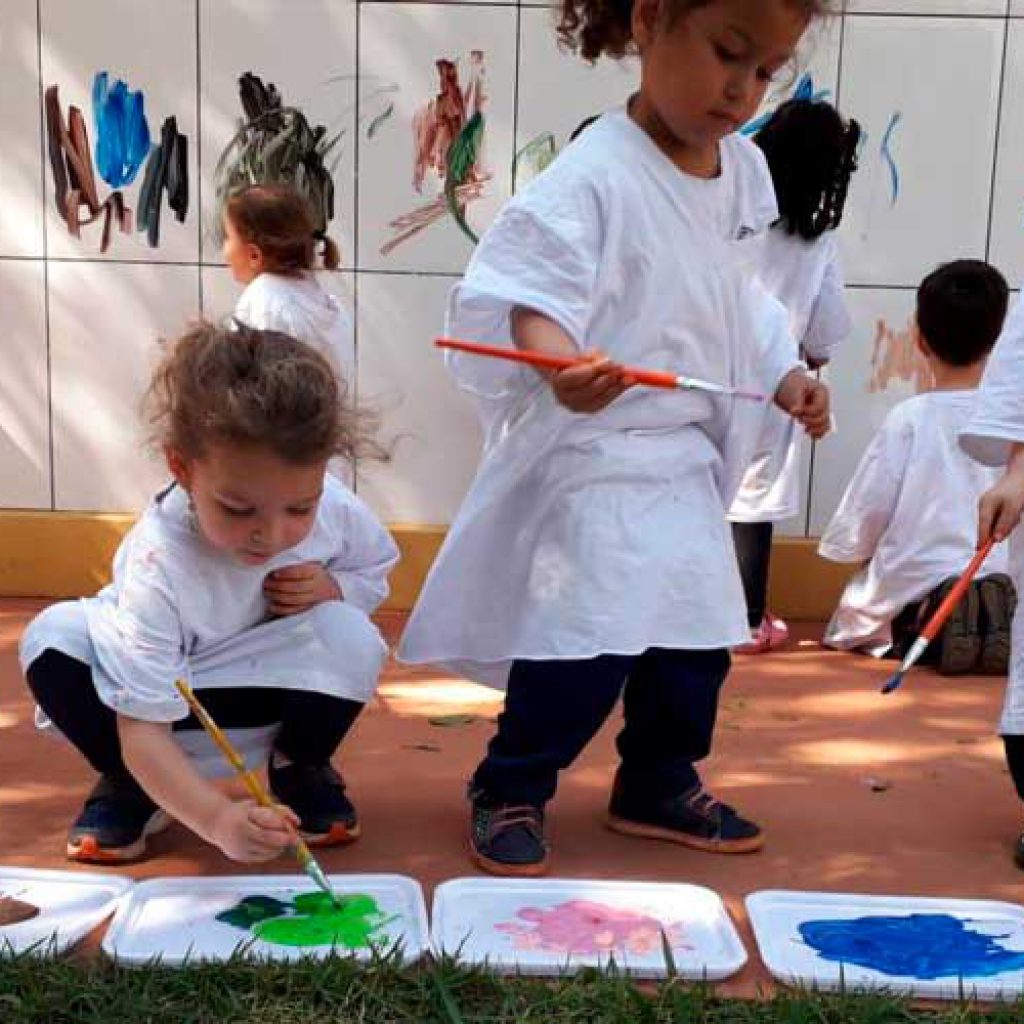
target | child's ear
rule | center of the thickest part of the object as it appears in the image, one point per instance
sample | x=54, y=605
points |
x=646, y=15
x=919, y=342
x=254, y=257
x=179, y=466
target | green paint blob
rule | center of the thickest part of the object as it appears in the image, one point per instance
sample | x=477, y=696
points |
x=312, y=919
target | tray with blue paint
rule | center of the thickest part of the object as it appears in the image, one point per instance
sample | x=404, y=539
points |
x=930, y=948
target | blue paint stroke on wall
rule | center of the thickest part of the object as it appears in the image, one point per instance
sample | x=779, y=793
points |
x=890, y=160
x=122, y=134
x=803, y=90
x=922, y=946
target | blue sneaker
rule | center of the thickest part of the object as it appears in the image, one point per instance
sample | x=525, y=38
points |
x=115, y=822
x=694, y=818
x=316, y=793
x=508, y=839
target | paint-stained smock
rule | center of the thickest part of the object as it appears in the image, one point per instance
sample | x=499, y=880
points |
x=910, y=513
x=806, y=277
x=606, y=533
x=179, y=609
x=998, y=422
x=302, y=307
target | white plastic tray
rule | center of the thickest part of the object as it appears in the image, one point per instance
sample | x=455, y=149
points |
x=71, y=904
x=173, y=920
x=471, y=919
x=776, y=916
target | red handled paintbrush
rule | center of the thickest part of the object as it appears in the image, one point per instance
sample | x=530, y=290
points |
x=649, y=378
x=942, y=613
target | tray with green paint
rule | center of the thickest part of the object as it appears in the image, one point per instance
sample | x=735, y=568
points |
x=279, y=917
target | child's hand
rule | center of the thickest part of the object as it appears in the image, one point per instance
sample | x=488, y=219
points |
x=999, y=509
x=806, y=400
x=590, y=386
x=247, y=832
x=297, y=588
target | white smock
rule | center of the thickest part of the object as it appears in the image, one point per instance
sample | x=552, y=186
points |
x=911, y=514
x=998, y=422
x=590, y=534
x=179, y=609
x=806, y=277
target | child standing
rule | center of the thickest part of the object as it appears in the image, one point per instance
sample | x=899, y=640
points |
x=909, y=513
x=812, y=155
x=995, y=437
x=253, y=577
x=592, y=555
x=270, y=246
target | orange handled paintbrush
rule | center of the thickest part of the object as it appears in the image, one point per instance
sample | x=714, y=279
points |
x=649, y=378
x=942, y=613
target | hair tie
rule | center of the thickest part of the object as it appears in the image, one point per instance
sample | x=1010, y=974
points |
x=319, y=235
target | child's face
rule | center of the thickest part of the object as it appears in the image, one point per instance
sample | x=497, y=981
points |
x=244, y=258
x=250, y=503
x=705, y=76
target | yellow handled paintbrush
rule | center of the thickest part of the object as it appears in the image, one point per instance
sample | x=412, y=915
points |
x=253, y=784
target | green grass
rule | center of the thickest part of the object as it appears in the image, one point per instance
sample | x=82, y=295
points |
x=94, y=991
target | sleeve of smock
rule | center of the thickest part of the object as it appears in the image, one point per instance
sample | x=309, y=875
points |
x=830, y=322
x=998, y=419
x=869, y=504
x=366, y=554
x=777, y=347
x=542, y=253
x=138, y=639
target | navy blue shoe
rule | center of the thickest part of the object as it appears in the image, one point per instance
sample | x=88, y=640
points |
x=693, y=818
x=316, y=793
x=115, y=822
x=507, y=839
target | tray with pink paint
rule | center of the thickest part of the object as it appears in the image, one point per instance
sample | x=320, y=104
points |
x=554, y=926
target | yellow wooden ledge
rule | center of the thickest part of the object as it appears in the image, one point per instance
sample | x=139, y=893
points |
x=68, y=554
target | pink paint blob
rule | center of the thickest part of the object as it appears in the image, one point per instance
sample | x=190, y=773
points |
x=580, y=926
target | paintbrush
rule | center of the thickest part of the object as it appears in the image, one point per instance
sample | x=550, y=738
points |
x=649, y=378
x=253, y=784
x=942, y=613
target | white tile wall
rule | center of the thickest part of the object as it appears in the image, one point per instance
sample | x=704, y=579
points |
x=953, y=69
x=106, y=320
x=21, y=166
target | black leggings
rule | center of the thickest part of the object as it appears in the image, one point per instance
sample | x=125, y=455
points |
x=312, y=724
x=753, y=543
x=1014, y=746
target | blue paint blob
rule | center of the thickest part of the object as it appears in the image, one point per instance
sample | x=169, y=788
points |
x=122, y=134
x=894, y=171
x=923, y=946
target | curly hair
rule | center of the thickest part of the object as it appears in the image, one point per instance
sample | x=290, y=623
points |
x=280, y=222
x=605, y=27
x=253, y=388
x=812, y=155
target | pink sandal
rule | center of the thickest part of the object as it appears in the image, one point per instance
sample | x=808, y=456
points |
x=769, y=636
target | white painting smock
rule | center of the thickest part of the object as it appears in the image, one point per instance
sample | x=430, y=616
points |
x=606, y=533
x=998, y=422
x=301, y=307
x=911, y=514
x=180, y=609
x=806, y=277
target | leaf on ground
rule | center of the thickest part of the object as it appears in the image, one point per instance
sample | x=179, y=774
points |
x=430, y=748
x=447, y=721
